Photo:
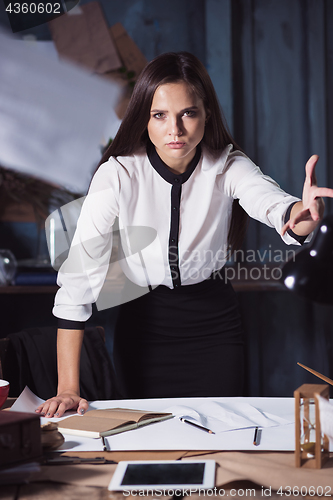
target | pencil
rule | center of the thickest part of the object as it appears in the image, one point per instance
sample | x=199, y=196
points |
x=197, y=426
x=256, y=436
x=317, y=374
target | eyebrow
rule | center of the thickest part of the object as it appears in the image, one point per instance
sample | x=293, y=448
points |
x=181, y=111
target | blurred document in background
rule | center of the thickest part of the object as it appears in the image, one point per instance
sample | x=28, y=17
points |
x=82, y=35
x=53, y=116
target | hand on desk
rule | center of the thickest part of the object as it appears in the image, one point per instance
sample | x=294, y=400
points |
x=56, y=407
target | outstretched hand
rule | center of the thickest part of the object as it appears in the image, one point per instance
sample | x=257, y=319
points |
x=311, y=209
x=56, y=407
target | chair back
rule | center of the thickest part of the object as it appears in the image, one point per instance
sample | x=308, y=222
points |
x=30, y=358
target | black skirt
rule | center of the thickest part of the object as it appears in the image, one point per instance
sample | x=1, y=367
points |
x=182, y=342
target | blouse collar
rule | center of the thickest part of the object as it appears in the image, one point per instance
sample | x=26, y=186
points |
x=164, y=172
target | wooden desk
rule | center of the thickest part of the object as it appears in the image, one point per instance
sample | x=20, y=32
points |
x=54, y=491
x=231, y=477
x=58, y=491
x=240, y=474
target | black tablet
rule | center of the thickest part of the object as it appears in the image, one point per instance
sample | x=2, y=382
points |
x=163, y=474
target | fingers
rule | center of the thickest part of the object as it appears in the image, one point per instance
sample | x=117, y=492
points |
x=303, y=215
x=83, y=406
x=289, y=225
x=56, y=407
x=310, y=170
x=324, y=192
x=316, y=209
x=312, y=214
x=285, y=229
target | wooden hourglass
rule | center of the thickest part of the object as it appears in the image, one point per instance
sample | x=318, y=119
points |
x=311, y=446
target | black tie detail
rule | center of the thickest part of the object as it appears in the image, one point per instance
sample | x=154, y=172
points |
x=176, y=190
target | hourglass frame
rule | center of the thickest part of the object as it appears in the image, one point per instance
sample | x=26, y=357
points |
x=311, y=447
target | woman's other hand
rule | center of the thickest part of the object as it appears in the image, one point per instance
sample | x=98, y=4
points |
x=307, y=213
x=56, y=407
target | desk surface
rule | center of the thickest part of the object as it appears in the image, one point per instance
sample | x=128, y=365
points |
x=272, y=472
x=48, y=490
x=233, y=421
x=239, y=474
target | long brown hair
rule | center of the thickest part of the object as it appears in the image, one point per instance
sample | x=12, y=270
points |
x=174, y=67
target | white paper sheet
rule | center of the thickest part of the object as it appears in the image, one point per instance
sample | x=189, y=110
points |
x=53, y=115
x=227, y=416
x=28, y=402
x=270, y=414
x=175, y=435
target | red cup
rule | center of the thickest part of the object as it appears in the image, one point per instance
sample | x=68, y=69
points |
x=4, y=390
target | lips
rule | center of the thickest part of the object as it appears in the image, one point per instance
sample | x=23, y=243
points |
x=176, y=144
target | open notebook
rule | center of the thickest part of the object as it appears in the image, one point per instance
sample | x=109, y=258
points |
x=98, y=423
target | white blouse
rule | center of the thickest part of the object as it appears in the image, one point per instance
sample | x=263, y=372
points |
x=173, y=228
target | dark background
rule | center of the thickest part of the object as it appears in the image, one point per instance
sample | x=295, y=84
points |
x=271, y=62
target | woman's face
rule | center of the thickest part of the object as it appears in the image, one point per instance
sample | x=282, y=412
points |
x=176, y=124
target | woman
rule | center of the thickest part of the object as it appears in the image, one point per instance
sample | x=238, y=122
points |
x=173, y=167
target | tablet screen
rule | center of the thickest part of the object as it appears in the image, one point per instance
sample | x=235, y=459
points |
x=158, y=474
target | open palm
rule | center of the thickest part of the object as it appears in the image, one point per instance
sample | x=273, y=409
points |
x=312, y=208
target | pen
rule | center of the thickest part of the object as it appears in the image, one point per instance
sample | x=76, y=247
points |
x=105, y=446
x=64, y=460
x=197, y=426
x=256, y=436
